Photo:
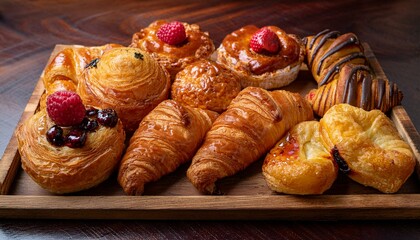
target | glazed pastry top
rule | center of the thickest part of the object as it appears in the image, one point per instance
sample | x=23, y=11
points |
x=236, y=45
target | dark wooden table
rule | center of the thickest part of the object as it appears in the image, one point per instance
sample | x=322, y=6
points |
x=29, y=30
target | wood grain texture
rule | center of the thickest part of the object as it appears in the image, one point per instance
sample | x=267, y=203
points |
x=29, y=30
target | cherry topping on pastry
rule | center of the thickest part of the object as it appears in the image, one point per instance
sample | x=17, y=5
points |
x=55, y=136
x=76, y=138
x=65, y=108
x=265, y=41
x=89, y=125
x=172, y=33
x=107, y=117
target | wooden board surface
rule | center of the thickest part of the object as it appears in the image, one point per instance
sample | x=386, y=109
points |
x=246, y=194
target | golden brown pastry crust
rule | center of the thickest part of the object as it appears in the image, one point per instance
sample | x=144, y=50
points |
x=64, y=70
x=299, y=163
x=339, y=66
x=63, y=169
x=254, y=121
x=206, y=84
x=166, y=138
x=174, y=58
x=261, y=70
x=126, y=80
x=370, y=145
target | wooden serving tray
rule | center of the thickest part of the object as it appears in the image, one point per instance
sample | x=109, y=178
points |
x=246, y=194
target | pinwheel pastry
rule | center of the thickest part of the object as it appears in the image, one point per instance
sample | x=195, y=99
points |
x=166, y=138
x=206, y=84
x=127, y=80
x=64, y=70
x=66, y=148
x=367, y=146
x=299, y=163
x=267, y=57
x=174, y=44
x=338, y=64
x=254, y=121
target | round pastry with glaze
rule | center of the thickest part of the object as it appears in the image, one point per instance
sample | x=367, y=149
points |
x=299, y=163
x=61, y=169
x=127, y=80
x=174, y=57
x=207, y=85
x=268, y=71
x=368, y=147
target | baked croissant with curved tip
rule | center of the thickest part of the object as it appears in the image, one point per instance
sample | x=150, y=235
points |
x=254, y=121
x=127, y=80
x=64, y=169
x=166, y=138
x=300, y=163
x=63, y=72
x=328, y=51
x=368, y=147
x=354, y=85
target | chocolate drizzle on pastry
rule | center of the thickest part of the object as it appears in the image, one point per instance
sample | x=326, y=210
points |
x=338, y=64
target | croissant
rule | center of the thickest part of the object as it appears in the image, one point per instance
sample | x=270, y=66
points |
x=63, y=72
x=367, y=147
x=65, y=169
x=354, y=85
x=166, y=138
x=254, y=121
x=127, y=80
x=300, y=163
x=338, y=64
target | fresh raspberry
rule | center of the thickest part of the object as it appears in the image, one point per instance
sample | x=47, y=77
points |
x=65, y=108
x=265, y=41
x=172, y=33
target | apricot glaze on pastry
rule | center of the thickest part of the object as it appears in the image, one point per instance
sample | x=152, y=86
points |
x=64, y=70
x=254, y=121
x=166, y=138
x=66, y=148
x=299, y=163
x=206, y=84
x=267, y=57
x=174, y=44
x=338, y=64
x=368, y=147
x=127, y=80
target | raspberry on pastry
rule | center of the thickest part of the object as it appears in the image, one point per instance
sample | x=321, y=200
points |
x=174, y=44
x=267, y=57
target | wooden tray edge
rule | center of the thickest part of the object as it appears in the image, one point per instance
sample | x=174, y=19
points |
x=282, y=207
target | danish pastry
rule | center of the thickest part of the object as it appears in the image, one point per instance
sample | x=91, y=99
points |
x=299, y=163
x=267, y=57
x=254, y=121
x=66, y=159
x=166, y=138
x=206, y=84
x=174, y=44
x=339, y=66
x=367, y=147
x=127, y=80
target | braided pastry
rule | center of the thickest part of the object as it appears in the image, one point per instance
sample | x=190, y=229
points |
x=254, y=121
x=339, y=66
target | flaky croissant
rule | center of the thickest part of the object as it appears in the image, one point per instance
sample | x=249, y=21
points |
x=254, y=121
x=367, y=146
x=127, y=80
x=64, y=169
x=300, y=163
x=339, y=66
x=166, y=138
